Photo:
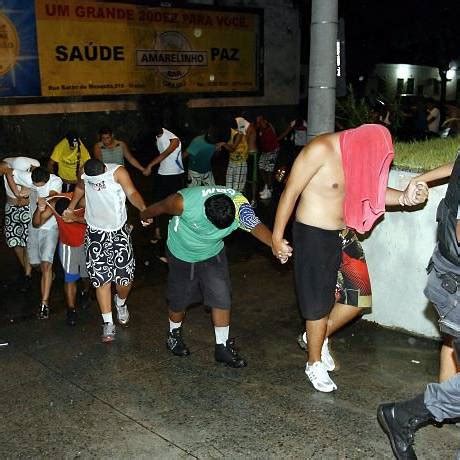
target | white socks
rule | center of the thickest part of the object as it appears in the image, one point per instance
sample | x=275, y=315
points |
x=173, y=325
x=107, y=318
x=119, y=301
x=221, y=334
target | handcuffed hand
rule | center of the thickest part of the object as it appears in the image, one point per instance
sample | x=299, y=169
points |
x=281, y=250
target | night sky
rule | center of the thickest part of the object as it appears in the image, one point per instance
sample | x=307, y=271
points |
x=425, y=32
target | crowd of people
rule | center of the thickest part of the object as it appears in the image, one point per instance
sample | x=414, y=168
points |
x=337, y=187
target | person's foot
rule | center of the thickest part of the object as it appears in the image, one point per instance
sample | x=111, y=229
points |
x=122, y=312
x=175, y=343
x=71, y=317
x=44, y=311
x=319, y=377
x=4, y=342
x=228, y=355
x=401, y=437
x=83, y=299
x=326, y=357
x=108, y=332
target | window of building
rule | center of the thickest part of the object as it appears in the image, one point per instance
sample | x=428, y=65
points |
x=410, y=86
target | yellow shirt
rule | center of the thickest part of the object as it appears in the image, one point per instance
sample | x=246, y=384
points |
x=67, y=159
x=240, y=154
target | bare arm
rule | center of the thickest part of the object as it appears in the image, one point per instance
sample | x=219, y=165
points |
x=130, y=158
x=134, y=197
x=40, y=217
x=13, y=186
x=51, y=166
x=173, y=205
x=306, y=165
x=285, y=133
x=78, y=194
x=173, y=144
x=231, y=146
x=97, y=153
x=435, y=174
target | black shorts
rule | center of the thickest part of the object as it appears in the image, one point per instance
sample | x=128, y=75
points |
x=207, y=282
x=165, y=185
x=317, y=258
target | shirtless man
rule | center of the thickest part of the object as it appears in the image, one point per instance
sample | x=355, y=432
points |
x=341, y=179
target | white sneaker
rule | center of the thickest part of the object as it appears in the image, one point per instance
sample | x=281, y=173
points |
x=319, y=377
x=266, y=194
x=326, y=357
x=263, y=191
x=122, y=312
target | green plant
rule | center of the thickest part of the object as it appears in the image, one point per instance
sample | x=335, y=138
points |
x=425, y=155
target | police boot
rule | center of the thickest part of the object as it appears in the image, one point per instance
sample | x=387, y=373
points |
x=400, y=421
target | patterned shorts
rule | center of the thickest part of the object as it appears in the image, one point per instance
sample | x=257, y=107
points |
x=17, y=220
x=267, y=161
x=109, y=256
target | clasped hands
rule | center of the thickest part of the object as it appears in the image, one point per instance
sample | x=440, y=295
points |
x=281, y=250
x=415, y=193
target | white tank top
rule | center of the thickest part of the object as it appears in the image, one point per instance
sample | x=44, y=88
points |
x=105, y=201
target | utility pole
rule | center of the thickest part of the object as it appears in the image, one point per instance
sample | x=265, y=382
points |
x=323, y=67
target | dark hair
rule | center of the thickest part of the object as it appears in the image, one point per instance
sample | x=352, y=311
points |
x=71, y=137
x=220, y=210
x=105, y=130
x=94, y=167
x=40, y=174
x=157, y=126
x=61, y=205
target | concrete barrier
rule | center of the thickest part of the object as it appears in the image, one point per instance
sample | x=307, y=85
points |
x=398, y=251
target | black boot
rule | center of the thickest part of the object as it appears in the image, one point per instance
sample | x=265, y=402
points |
x=400, y=421
x=227, y=354
x=175, y=343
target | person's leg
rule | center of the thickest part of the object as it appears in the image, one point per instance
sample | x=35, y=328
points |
x=45, y=288
x=21, y=254
x=448, y=365
x=70, y=291
x=340, y=316
x=443, y=399
x=316, y=333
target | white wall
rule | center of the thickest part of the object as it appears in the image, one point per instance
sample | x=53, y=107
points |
x=397, y=251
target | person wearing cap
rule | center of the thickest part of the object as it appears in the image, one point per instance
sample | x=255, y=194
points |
x=68, y=156
x=17, y=216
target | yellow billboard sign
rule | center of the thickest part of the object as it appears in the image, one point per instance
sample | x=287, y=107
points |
x=94, y=48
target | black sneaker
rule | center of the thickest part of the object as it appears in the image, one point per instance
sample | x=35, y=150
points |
x=175, y=343
x=71, y=317
x=44, y=312
x=227, y=354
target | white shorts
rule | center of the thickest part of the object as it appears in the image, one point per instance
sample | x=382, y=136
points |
x=196, y=179
x=41, y=245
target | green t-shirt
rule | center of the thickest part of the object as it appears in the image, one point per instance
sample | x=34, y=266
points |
x=200, y=152
x=192, y=237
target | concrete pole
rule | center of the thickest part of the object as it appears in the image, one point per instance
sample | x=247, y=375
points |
x=323, y=66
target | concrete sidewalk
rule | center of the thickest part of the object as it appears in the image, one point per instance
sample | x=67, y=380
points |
x=64, y=394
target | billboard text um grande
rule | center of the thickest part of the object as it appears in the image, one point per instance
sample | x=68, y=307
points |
x=93, y=48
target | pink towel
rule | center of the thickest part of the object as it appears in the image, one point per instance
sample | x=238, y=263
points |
x=367, y=152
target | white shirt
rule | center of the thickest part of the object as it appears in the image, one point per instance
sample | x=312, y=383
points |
x=105, y=201
x=242, y=124
x=300, y=133
x=434, y=125
x=21, y=164
x=24, y=179
x=172, y=164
